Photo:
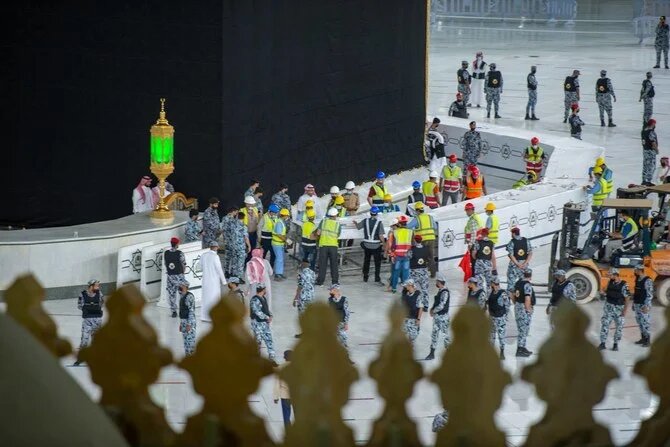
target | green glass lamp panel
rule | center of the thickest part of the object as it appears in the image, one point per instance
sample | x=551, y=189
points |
x=162, y=149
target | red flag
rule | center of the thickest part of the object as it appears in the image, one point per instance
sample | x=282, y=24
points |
x=466, y=266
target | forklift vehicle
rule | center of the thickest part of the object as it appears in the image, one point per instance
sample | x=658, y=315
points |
x=659, y=225
x=582, y=265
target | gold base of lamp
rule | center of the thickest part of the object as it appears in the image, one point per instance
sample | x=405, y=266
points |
x=162, y=171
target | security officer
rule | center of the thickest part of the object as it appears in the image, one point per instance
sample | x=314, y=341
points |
x=211, y=225
x=492, y=222
x=411, y=298
x=90, y=303
x=424, y=225
x=464, y=80
x=341, y=306
x=261, y=318
x=458, y=108
x=234, y=288
x=267, y=227
x=440, y=314
x=576, y=122
x=476, y=295
x=329, y=233
x=571, y=91
x=617, y=295
x=485, y=261
x=373, y=239
x=531, y=84
x=647, y=95
x=520, y=252
x=662, y=42
x=472, y=147
x=493, y=88
x=452, y=178
x=307, y=241
x=304, y=294
x=644, y=292
x=175, y=265
x=604, y=96
x=187, y=318
x=414, y=198
x=649, y=152
x=498, y=305
x=418, y=271
x=561, y=290
x=523, y=310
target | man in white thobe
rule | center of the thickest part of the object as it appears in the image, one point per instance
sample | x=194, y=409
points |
x=143, y=197
x=213, y=280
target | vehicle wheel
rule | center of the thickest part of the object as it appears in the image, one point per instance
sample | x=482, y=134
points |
x=585, y=282
x=663, y=292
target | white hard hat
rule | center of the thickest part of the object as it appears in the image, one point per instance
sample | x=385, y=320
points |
x=332, y=212
x=334, y=190
x=432, y=174
x=350, y=185
x=248, y=200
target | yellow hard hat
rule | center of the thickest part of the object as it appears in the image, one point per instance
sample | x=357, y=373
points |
x=284, y=212
x=418, y=206
x=388, y=197
x=490, y=206
x=597, y=170
x=309, y=204
x=600, y=161
x=339, y=200
x=311, y=214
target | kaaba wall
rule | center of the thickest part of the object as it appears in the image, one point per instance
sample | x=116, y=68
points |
x=295, y=91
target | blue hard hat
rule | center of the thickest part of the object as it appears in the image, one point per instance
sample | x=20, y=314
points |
x=380, y=174
x=273, y=208
x=374, y=210
x=416, y=185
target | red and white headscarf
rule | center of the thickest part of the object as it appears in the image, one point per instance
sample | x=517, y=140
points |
x=140, y=190
x=256, y=267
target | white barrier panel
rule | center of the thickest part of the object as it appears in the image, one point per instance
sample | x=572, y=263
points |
x=192, y=274
x=129, y=264
x=152, y=266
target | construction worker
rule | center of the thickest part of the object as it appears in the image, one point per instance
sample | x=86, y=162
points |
x=338, y=204
x=377, y=190
x=415, y=197
x=373, y=240
x=399, y=250
x=624, y=240
x=528, y=179
x=425, y=226
x=451, y=180
x=267, y=227
x=608, y=175
x=388, y=206
x=473, y=225
x=576, y=122
x=309, y=206
x=328, y=233
x=279, y=237
x=617, y=296
x=308, y=241
x=492, y=222
x=431, y=190
x=474, y=184
x=351, y=199
x=334, y=194
x=598, y=190
x=534, y=157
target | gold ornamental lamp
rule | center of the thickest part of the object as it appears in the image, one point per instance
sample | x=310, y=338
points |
x=162, y=159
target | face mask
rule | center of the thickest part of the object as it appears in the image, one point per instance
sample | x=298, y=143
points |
x=452, y=164
x=533, y=71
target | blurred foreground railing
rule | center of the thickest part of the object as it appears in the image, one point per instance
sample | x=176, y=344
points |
x=125, y=359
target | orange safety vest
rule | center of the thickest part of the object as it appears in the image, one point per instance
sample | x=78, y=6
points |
x=452, y=178
x=534, y=160
x=474, y=189
x=402, y=241
x=428, y=189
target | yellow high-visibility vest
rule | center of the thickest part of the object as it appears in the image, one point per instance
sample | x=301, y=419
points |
x=602, y=194
x=254, y=211
x=268, y=226
x=380, y=192
x=330, y=229
x=276, y=240
x=495, y=227
x=308, y=228
x=425, y=229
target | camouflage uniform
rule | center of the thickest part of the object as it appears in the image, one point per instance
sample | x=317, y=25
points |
x=440, y=420
x=611, y=312
x=472, y=148
x=261, y=329
x=492, y=94
x=499, y=324
x=188, y=301
x=282, y=200
x=576, y=124
x=192, y=231
x=420, y=277
x=234, y=234
x=483, y=270
x=464, y=88
x=604, y=101
x=532, y=95
x=514, y=273
x=649, y=160
x=173, y=282
x=647, y=100
x=661, y=43
x=411, y=326
x=523, y=319
x=569, y=293
x=441, y=323
x=306, y=280
x=643, y=318
x=341, y=307
x=570, y=99
x=210, y=226
x=89, y=325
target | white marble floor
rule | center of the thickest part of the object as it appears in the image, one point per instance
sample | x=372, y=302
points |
x=556, y=52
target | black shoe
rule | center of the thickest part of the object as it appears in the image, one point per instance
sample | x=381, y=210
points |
x=656, y=66
x=521, y=352
x=468, y=105
x=565, y=120
x=534, y=118
x=279, y=278
x=379, y=283
x=174, y=314
x=601, y=347
x=497, y=116
x=478, y=106
x=602, y=123
x=431, y=355
x=640, y=341
x=77, y=363
x=645, y=343
x=615, y=347
x=527, y=351
x=502, y=353
x=611, y=124
x=365, y=279
x=666, y=67
x=527, y=117
x=297, y=336
x=488, y=115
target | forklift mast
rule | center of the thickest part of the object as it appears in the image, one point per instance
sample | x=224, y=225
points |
x=569, y=232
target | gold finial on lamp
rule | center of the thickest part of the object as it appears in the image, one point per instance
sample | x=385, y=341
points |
x=162, y=159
